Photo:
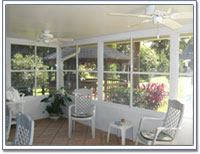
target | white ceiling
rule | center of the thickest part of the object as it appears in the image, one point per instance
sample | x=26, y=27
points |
x=78, y=21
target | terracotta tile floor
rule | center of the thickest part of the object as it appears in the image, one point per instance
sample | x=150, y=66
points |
x=55, y=132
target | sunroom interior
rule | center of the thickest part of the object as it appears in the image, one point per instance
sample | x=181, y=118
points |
x=122, y=59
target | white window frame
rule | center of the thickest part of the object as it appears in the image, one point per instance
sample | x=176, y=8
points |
x=173, y=35
x=9, y=42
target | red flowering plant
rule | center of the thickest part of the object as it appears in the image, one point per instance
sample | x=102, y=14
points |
x=155, y=94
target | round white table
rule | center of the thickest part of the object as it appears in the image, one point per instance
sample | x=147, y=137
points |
x=123, y=127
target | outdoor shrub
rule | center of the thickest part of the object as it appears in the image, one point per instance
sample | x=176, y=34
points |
x=148, y=96
x=139, y=96
x=155, y=94
x=120, y=95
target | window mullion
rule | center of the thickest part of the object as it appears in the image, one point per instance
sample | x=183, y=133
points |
x=131, y=75
x=77, y=51
x=35, y=70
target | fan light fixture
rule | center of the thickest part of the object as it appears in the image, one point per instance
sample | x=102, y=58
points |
x=47, y=37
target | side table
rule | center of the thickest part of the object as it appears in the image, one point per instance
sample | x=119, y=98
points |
x=123, y=127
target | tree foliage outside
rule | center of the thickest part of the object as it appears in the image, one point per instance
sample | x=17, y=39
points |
x=23, y=58
x=184, y=42
x=153, y=58
x=19, y=61
x=148, y=59
x=161, y=48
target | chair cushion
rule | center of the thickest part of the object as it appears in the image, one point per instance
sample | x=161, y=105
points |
x=81, y=115
x=10, y=143
x=149, y=135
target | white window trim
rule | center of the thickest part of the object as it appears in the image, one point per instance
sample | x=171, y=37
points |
x=100, y=40
x=9, y=42
x=133, y=36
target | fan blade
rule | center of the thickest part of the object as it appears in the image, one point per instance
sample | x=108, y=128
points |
x=55, y=41
x=169, y=11
x=182, y=15
x=65, y=39
x=144, y=21
x=147, y=20
x=171, y=24
x=150, y=10
x=130, y=15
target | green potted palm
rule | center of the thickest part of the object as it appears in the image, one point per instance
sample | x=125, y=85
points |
x=55, y=101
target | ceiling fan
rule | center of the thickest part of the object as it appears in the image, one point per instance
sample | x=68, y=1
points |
x=159, y=17
x=47, y=37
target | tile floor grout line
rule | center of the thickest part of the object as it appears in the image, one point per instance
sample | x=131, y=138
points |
x=57, y=132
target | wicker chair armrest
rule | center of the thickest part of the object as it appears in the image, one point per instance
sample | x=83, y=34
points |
x=93, y=109
x=159, y=129
x=143, y=119
x=151, y=118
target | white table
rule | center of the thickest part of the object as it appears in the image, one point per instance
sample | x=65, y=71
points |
x=123, y=127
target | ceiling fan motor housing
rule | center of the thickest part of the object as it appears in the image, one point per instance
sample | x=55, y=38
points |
x=157, y=19
x=46, y=36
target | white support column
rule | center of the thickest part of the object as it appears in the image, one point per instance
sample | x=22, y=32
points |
x=35, y=70
x=59, y=64
x=8, y=63
x=174, y=63
x=77, y=52
x=100, y=53
x=131, y=75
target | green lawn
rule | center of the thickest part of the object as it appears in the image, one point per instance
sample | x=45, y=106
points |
x=39, y=91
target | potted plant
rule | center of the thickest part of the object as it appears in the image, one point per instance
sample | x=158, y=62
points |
x=55, y=101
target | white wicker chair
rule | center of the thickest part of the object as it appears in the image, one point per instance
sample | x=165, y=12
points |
x=83, y=109
x=15, y=101
x=8, y=121
x=24, y=131
x=167, y=132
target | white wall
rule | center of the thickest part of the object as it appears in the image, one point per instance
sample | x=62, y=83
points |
x=109, y=112
x=34, y=108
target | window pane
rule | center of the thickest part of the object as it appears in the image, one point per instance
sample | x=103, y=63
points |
x=117, y=56
x=88, y=80
x=69, y=82
x=69, y=58
x=23, y=82
x=87, y=58
x=46, y=83
x=151, y=56
x=22, y=57
x=186, y=55
x=116, y=88
x=46, y=58
x=185, y=94
x=151, y=92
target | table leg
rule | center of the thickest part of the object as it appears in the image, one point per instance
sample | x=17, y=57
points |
x=118, y=133
x=69, y=127
x=123, y=135
x=108, y=136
